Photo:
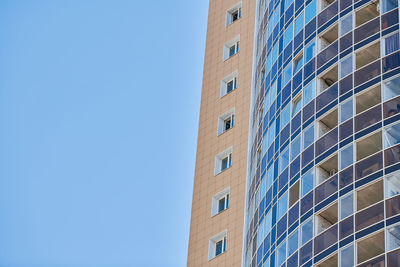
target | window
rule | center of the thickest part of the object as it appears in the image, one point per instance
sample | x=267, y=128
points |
x=295, y=148
x=307, y=183
x=273, y=92
x=346, y=157
x=217, y=245
x=288, y=35
x=226, y=121
x=310, y=50
x=393, y=237
x=309, y=92
x=271, y=134
x=392, y=185
x=308, y=136
x=346, y=24
x=298, y=63
x=268, y=222
x=346, y=206
x=231, y=48
x=285, y=116
x=299, y=23
x=293, y=242
x=281, y=254
x=346, y=110
x=306, y=231
x=311, y=11
x=284, y=160
x=347, y=256
x=346, y=66
x=234, y=14
x=220, y=202
x=270, y=177
x=229, y=83
x=391, y=44
x=391, y=135
x=388, y=5
x=282, y=205
x=223, y=161
x=391, y=88
x=370, y=247
x=287, y=75
x=296, y=105
x=288, y=3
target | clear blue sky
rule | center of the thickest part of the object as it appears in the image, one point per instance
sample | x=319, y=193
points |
x=99, y=106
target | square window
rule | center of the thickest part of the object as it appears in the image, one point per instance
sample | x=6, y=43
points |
x=228, y=84
x=217, y=245
x=220, y=202
x=223, y=161
x=233, y=14
x=388, y=5
x=226, y=121
x=231, y=48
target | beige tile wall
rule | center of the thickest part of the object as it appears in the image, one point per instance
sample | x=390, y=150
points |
x=203, y=227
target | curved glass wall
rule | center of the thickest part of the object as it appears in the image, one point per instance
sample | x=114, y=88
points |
x=324, y=176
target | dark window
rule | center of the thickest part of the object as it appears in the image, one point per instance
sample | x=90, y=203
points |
x=369, y=165
x=326, y=239
x=393, y=206
x=369, y=216
x=346, y=227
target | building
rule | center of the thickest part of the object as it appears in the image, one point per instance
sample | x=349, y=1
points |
x=217, y=218
x=323, y=180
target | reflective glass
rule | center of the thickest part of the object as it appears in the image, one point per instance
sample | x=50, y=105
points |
x=306, y=231
x=346, y=66
x=299, y=23
x=309, y=92
x=346, y=206
x=391, y=135
x=285, y=116
x=307, y=183
x=346, y=157
x=391, y=88
x=392, y=185
x=287, y=75
x=347, y=256
x=309, y=50
x=268, y=221
x=284, y=159
x=293, y=242
x=296, y=105
x=388, y=5
x=391, y=43
x=298, y=64
x=346, y=24
x=260, y=234
x=288, y=35
x=346, y=110
x=393, y=237
x=271, y=134
x=282, y=205
x=281, y=254
x=270, y=177
x=288, y=3
x=295, y=148
x=311, y=11
x=308, y=136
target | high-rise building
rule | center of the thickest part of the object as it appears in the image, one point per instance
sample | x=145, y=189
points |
x=323, y=169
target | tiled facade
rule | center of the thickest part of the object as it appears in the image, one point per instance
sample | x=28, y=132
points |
x=313, y=122
x=223, y=96
x=323, y=185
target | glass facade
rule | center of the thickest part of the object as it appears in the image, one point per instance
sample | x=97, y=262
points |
x=323, y=186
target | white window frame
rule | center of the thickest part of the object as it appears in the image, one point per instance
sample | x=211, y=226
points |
x=222, y=236
x=216, y=198
x=234, y=42
x=221, y=121
x=229, y=13
x=221, y=156
x=224, y=83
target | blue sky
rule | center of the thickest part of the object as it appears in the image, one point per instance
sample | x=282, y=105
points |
x=99, y=106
